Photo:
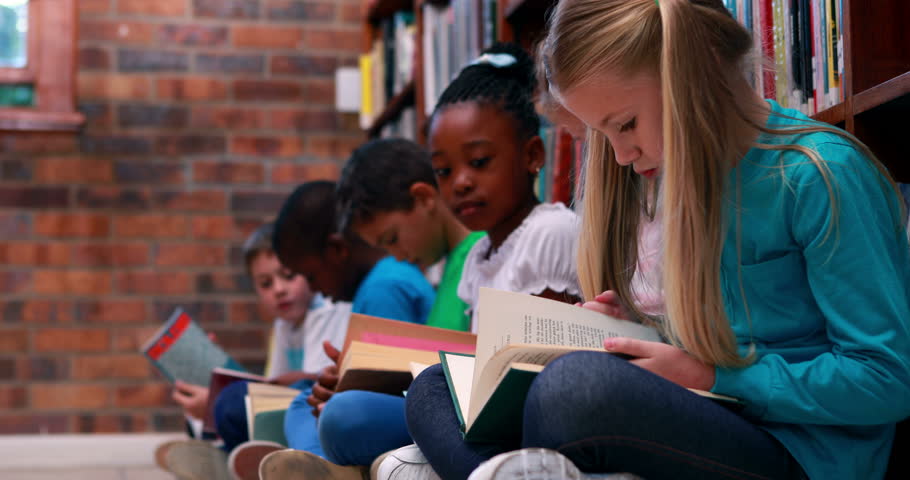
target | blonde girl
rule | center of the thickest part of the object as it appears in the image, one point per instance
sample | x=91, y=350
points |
x=786, y=269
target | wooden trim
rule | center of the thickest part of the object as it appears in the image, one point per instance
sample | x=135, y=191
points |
x=33, y=120
x=419, y=77
x=503, y=27
x=847, y=83
x=832, y=115
x=381, y=9
x=402, y=100
x=16, y=75
x=881, y=93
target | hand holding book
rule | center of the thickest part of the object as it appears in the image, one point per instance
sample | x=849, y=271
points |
x=664, y=360
x=326, y=381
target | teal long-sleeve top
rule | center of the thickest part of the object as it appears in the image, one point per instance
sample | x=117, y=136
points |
x=827, y=288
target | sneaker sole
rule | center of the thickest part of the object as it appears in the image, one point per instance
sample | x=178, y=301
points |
x=297, y=465
x=243, y=462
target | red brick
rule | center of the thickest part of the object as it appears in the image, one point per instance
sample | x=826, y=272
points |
x=184, y=255
x=296, y=174
x=223, y=283
x=145, y=395
x=154, y=283
x=267, y=146
x=154, y=116
x=231, y=118
x=257, y=202
x=45, y=368
x=193, y=35
x=230, y=63
x=296, y=10
x=144, y=171
x=112, y=311
x=15, y=225
x=74, y=170
x=348, y=39
x=13, y=340
x=228, y=172
x=39, y=142
x=113, y=423
x=227, y=9
x=101, y=367
x=20, y=196
x=332, y=148
x=126, y=33
x=194, y=88
x=190, y=144
x=72, y=225
x=72, y=282
x=37, y=311
x=94, y=58
x=17, y=423
x=72, y=340
x=94, y=7
x=351, y=13
x=12, y=397
x=246, y=312
x=251, y=338
x=97, y=115
x=15, y=282
x=150, y=225
x=304, y=65
x=213, y=228
x=113, y=86
x=199, y=200
x=303, y=120
x=267, y=91
x=175, y=8
x=134, y=60
x=116, y=144
x=131, y=339
x=113, y=198
x=266, y=36
x=68, y=396
x=110, y=255
x=319, y=92
x=34, y=254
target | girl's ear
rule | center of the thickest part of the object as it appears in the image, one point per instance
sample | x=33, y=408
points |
x=424, y=196
x=535, y=154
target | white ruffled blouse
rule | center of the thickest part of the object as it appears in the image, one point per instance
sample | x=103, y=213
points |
x=536, y=256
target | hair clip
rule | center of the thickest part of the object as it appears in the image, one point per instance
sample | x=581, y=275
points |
x=498, y=60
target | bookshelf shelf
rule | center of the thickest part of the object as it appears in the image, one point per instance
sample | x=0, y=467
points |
x=380, y=9
x=403, y=99
x=882, y=93
x=518, y=9
x=832, y=115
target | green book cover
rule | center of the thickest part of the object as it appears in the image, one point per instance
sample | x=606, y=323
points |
x=270, y=426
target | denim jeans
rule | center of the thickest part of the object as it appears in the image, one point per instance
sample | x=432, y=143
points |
x=606, y=415
x=230, y=413
x=354, y=427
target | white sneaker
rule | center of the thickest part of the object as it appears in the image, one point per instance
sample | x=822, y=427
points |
x=406, y=463
x=537, y=464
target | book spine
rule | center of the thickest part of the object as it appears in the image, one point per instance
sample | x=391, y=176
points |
x=767, y=35
x=562, y=167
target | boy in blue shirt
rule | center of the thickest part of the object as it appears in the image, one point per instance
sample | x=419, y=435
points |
x=342, y=266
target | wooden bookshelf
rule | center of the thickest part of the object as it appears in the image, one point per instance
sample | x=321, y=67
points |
x=395, y=106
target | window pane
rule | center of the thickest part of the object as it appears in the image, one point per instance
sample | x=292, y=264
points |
x=17, y=95
x=13, y=33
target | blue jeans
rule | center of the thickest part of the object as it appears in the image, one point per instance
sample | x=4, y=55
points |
x=230, y=415
x=354, y=428
x=606, y=415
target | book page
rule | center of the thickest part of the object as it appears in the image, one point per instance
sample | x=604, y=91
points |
x=461, y=371
x=506, y=318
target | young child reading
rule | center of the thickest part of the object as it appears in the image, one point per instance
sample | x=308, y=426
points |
x=388, y=195
x=303, y=320
x=786, y=272
x=343, y=266
x=486, y=154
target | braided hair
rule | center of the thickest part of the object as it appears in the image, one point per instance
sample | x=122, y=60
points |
x=508, y=87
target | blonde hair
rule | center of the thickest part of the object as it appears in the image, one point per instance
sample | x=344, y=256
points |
x=697, y=49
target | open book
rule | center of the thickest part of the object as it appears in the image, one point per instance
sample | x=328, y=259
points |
x=266, y=406
x=221, y=378
x=378, y=353
x=518, y=336
x=181, y=350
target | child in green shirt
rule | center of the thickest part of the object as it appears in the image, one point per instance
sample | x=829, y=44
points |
x=388, y=195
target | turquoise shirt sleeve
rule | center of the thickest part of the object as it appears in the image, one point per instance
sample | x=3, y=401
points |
x=394, y=299
x=857, y=264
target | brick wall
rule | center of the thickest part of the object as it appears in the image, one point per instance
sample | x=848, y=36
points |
x=202, y=115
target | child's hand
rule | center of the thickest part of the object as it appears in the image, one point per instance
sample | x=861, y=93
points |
x=607, y=303
x=665, y=360
x=193, y=398
x=291, y=378
x=326, y=381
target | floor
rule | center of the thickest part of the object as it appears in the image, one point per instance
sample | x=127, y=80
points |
x=81, y=457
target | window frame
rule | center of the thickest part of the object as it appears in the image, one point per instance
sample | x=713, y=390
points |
x=50, y=69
